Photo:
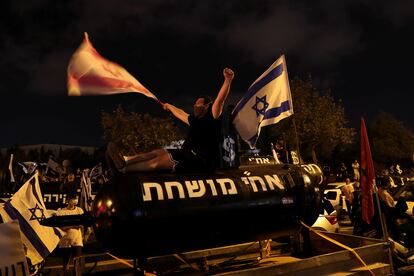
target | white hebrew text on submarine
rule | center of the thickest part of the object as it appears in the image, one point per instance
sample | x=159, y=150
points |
x=210, y=187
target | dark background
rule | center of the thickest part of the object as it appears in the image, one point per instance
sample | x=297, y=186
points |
x=361, y=50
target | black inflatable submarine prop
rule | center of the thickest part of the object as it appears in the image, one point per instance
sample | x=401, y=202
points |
x=150, y=214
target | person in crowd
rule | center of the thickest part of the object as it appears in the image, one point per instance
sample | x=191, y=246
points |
x=343, y=172
x=400, y=225
x=66, y=170
x=201, y=147
x=403, y=227
x=355, y=168
x=100, y=181
x=347, y=191
x=72, y=242
x=356, y=202
x=78, y=173
x=383, y=185
x=70, y=184
x=281, y=153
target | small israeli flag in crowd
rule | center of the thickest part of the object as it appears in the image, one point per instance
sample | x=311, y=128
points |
x=27, y=207
x=86, y=192
x=267, y=101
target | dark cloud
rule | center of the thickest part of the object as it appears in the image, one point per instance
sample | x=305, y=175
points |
x=43, y=34
x=177, y=48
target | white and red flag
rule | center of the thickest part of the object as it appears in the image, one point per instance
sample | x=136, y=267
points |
x=90, y=74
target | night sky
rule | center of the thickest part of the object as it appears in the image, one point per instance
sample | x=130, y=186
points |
x=361, y=50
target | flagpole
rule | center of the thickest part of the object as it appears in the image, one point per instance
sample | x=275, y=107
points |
x=293, y=120
x=160, y=102
x=368, y=173
x=297, y=139
x=381, y=214
x=383, y=225
x=368, y=157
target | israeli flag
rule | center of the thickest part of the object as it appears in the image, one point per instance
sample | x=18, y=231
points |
x=267, y=101
x=86, y=192
x=27, y=207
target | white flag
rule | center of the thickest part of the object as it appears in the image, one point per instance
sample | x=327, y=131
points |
x=11, y=169
x=267, y=101
x=91, y=74
x=27, y=206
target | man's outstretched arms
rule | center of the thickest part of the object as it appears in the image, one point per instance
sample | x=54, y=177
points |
x=177, y=112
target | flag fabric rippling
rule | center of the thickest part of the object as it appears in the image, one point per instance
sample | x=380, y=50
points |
x=27, y=206
x=90, y=74
x=267, y=101
x=86, y=192
x=367, y=176
x=53, y=167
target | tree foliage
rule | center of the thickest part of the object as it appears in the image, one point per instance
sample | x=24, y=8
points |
x=135, y=133
x=391, y=140
x=320, y=120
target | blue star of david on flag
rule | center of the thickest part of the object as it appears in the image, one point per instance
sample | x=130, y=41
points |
x=34, y=215
x=260, y=106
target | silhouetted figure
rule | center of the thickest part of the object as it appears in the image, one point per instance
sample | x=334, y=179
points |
x=72, y=242
x=343, y=172
x=201, y=147
x=355, y=168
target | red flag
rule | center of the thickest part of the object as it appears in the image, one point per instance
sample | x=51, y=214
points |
x=91, y=74
x=367, y=176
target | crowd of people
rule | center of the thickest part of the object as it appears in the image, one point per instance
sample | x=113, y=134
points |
x=70, y=245
x=69, y=180
x=62, y=177
x=400, y=225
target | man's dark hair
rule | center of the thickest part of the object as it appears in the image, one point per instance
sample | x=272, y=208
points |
x=207, y=99
x=401, y=205
x=382, y=181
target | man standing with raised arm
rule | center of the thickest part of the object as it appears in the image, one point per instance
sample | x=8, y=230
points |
x=201, y=147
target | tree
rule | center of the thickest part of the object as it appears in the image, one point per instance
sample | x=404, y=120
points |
x=135, y=133
x=319, y=119
x=391, y=140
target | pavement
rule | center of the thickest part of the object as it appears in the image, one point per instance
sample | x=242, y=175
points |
x=96, y=261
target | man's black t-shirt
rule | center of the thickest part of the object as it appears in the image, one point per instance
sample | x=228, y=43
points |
x=203, y=137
